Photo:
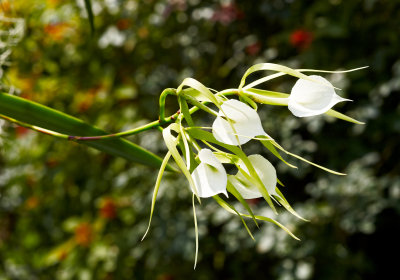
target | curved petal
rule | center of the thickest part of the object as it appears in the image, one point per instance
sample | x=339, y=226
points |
x=209, y=176
x=244, y=119
x=264, y=169
x=248, y=191
x=207, y=156
x=308, y=98
x=224, y=133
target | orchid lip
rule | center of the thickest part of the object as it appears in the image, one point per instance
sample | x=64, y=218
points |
x=237, y=123
x=209, y=176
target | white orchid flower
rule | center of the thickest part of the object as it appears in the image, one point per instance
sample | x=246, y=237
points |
x=309, y=98
x=244, y=125
x=209, y=176
x=264, y=169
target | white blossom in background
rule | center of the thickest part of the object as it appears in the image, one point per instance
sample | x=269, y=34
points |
x=209, y=176
x=12, y=30
x=112, y=36
x=309, y=98
x=245, y=123
x=112, y=6
x=97, y=8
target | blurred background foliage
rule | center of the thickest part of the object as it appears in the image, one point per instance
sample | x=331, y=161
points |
x=70, y=212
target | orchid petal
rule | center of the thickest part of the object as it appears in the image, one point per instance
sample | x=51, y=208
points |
x=264, y=169
x=209, y=176
x=244, y=120
x=309, y=98
x=245, y=188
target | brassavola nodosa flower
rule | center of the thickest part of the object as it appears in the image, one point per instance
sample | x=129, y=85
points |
x=237, y=123
x=244, y=123
x=209, y=176
x=264, y=169
x=309, y=98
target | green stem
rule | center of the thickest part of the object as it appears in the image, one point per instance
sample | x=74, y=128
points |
x=163, y=96
x=133, y=131
x=33, y=127
x=136, y=130
x=162, y=121
x=231, y=91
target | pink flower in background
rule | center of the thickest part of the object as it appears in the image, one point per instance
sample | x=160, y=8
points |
x=227, y=14
x=253, y=49
x=301, y=38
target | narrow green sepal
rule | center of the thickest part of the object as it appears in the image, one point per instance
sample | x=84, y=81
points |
x=281, y=199
x=227, y=206
x=341, y=116
x=240, y=198
x=156, y=188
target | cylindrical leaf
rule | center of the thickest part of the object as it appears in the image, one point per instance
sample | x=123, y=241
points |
x=39, y=115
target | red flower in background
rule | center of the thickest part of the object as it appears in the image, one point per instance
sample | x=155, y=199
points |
x=52, y=162
x=253, y=49
x=21, y=131
x=83, y=234
x=32, y=202
x=301, y=38
x=57, y=31
x=227, y=14
x=124, y=23
x=108, y=209
x=254, y=201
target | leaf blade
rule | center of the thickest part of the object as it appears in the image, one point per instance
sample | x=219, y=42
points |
x=42, y=116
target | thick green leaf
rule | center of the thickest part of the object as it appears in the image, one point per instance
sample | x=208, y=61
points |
x=39, y=115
